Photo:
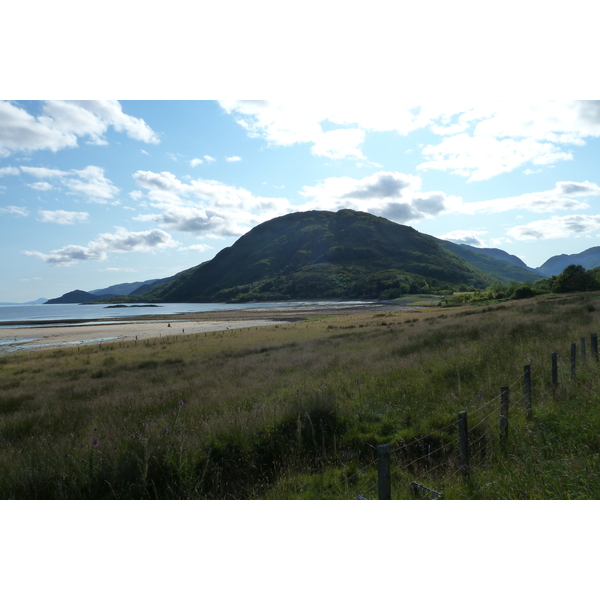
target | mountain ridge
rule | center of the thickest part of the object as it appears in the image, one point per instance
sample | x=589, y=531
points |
x=333, y=254
x=321, y=254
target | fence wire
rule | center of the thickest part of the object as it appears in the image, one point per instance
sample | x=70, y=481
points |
x=483, y=444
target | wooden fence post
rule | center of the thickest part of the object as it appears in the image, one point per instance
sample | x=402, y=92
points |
x=583, y=351
x=594, y=345
x=503, y=418
x=527, y=389
x=384, y=479
x=554, y=372
x=573, y=361
x=463, y=442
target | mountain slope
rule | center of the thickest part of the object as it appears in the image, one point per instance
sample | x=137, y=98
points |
x=501, y=268
x=589, y=259
x=77, y=297
x=121, y=289
x=320, y=254
x=502, y=255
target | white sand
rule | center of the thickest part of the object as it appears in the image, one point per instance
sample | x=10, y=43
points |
x=30, y=338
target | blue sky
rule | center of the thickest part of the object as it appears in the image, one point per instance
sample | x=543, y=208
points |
x=94, y=193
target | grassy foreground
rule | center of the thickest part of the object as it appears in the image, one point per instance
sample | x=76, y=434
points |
x=297, y=411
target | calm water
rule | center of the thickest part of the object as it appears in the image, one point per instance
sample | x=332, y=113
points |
x=31, y=314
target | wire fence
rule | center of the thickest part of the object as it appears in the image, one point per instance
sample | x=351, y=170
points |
x=434, y=460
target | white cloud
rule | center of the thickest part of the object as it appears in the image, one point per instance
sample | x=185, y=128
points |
x=92, y=183
x=164, y=181
x=339, y=143
x=205, y=206
x=120, y=241
x=67, y=255
x=560, y=198
x=195, y=162
x=482, y=157
x=43, y=172
x=8, y=171
x=471, y=237
x=125, y=269
x=42, y=186
x=197, y=221
x=556, y=227
x=479, y=140
x=89, y=182
x=61, y=123
x=63, y=217
x=232, y=158
x=197, y=248
x=21, y=211
x=209, y=159
x=392, y=195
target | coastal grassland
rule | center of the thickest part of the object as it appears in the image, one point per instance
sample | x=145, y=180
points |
x=297, y=410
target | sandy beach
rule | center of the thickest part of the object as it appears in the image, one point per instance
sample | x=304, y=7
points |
x=31, y=338
x=47, y=335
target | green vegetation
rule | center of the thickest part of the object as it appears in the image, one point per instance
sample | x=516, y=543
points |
x=319, y=254
x=573, y=279
x=297, y=411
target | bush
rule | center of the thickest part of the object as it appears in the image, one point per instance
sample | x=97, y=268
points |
x=522, y=292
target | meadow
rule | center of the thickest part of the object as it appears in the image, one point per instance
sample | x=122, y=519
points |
x=297, y=411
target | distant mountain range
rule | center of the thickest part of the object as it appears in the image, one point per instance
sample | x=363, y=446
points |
x=589, y=259
x=122, y=289
x=38, y=301
x=321, y=254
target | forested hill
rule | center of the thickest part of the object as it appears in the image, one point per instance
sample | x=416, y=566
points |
x=321, y=254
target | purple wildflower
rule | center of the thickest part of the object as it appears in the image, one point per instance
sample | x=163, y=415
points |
x=146, y=425
x=166, y=430
x=95, y=443
x=180, y=403
x=357, y=382
x=480, y=395
x=132, y=436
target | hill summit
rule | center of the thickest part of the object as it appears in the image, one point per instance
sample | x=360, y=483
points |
x=322, y=254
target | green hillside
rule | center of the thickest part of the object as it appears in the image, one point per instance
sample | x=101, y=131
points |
x=320, y=254
x=502, y=269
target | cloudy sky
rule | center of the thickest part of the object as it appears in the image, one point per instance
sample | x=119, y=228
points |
x=430, y=116
x=94, y=193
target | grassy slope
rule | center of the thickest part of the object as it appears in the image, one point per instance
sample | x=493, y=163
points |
x=296, y=411
x=501, y=269
x=319, y=254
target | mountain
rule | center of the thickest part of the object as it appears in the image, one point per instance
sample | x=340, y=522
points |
x=77, y=297
x=589, y=259
x=148, y=287
x=493, y=261
x=122, y=289
x=321, y=254
x=501, y=255
x=38, y=301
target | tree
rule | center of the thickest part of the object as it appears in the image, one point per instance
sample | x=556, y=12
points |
x=575, y=278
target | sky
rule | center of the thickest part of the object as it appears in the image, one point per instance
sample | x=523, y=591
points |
x=433, y=116
x=95, y=193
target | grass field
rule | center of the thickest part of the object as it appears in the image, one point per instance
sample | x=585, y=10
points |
x=296, y=411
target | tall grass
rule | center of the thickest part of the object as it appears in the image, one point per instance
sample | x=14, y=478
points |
x=297, y=411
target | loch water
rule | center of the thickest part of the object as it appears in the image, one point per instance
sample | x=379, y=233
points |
x=34, y=314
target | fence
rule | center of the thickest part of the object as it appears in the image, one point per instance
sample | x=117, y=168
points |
x=425, y=456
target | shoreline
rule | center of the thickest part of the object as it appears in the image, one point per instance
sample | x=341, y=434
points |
x=68, y=332
x=37, y=338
